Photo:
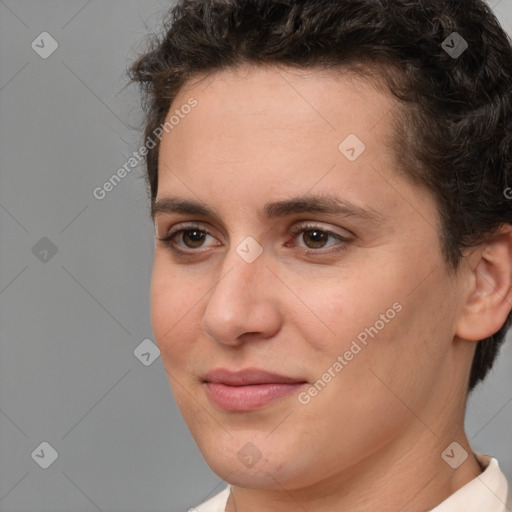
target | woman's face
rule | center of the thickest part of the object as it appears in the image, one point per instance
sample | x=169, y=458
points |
x=347, y=307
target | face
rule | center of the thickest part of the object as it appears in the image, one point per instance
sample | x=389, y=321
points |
x=298, y=313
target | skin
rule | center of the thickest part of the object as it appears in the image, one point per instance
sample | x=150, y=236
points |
x=373, y=437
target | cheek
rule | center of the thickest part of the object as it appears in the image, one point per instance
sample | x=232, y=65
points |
x=336, y=309
x=174, y=310
x=387, y=320
x=402, y=357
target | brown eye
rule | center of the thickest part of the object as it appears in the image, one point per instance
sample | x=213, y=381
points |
x=314, y=240
x=187, y=240
x=317, y=237
x=193, y=238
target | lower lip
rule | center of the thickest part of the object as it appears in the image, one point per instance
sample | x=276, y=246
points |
x=247, y=398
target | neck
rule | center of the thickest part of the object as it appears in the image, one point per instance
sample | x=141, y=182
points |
x=408, y=475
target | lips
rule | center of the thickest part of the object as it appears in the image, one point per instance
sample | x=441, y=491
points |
x=247, y=377
x=247, y=389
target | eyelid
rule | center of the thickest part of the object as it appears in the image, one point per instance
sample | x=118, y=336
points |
x=167, y=239
x=330, y=250
x=295, y=229
x=188, y=226
x=298, y=228
x=310, y=225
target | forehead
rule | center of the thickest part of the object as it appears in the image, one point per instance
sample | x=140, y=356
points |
x=274, y=117
x=320, y=98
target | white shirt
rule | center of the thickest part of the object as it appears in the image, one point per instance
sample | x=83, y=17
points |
x=488, y=492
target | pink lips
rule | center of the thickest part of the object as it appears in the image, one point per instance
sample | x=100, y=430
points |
x=248, y=389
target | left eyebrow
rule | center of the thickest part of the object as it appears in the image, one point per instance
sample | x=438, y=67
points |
x=323, y=203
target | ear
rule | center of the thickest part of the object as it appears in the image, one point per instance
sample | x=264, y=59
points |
x=489, y=292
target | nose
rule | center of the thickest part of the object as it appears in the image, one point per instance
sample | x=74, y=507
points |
x=243, y=302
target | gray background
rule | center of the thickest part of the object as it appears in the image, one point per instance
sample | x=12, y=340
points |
x=70, y=324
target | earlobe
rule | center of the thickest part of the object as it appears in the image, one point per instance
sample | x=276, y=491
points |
x=489, y=299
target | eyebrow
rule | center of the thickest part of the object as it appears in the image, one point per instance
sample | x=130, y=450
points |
x=323, y=203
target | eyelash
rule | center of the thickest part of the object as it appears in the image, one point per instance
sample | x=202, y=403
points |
x=295, y=231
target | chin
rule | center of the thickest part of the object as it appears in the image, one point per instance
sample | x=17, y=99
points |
x=261, y=476
x=239, y=462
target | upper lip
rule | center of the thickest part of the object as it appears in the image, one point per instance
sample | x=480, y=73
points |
x=247, y=377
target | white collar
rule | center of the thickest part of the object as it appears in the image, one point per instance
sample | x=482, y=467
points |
x=485, y=493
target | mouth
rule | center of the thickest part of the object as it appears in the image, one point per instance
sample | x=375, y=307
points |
x=248, y=389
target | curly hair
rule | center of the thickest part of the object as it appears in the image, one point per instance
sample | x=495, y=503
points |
x=452, y=128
